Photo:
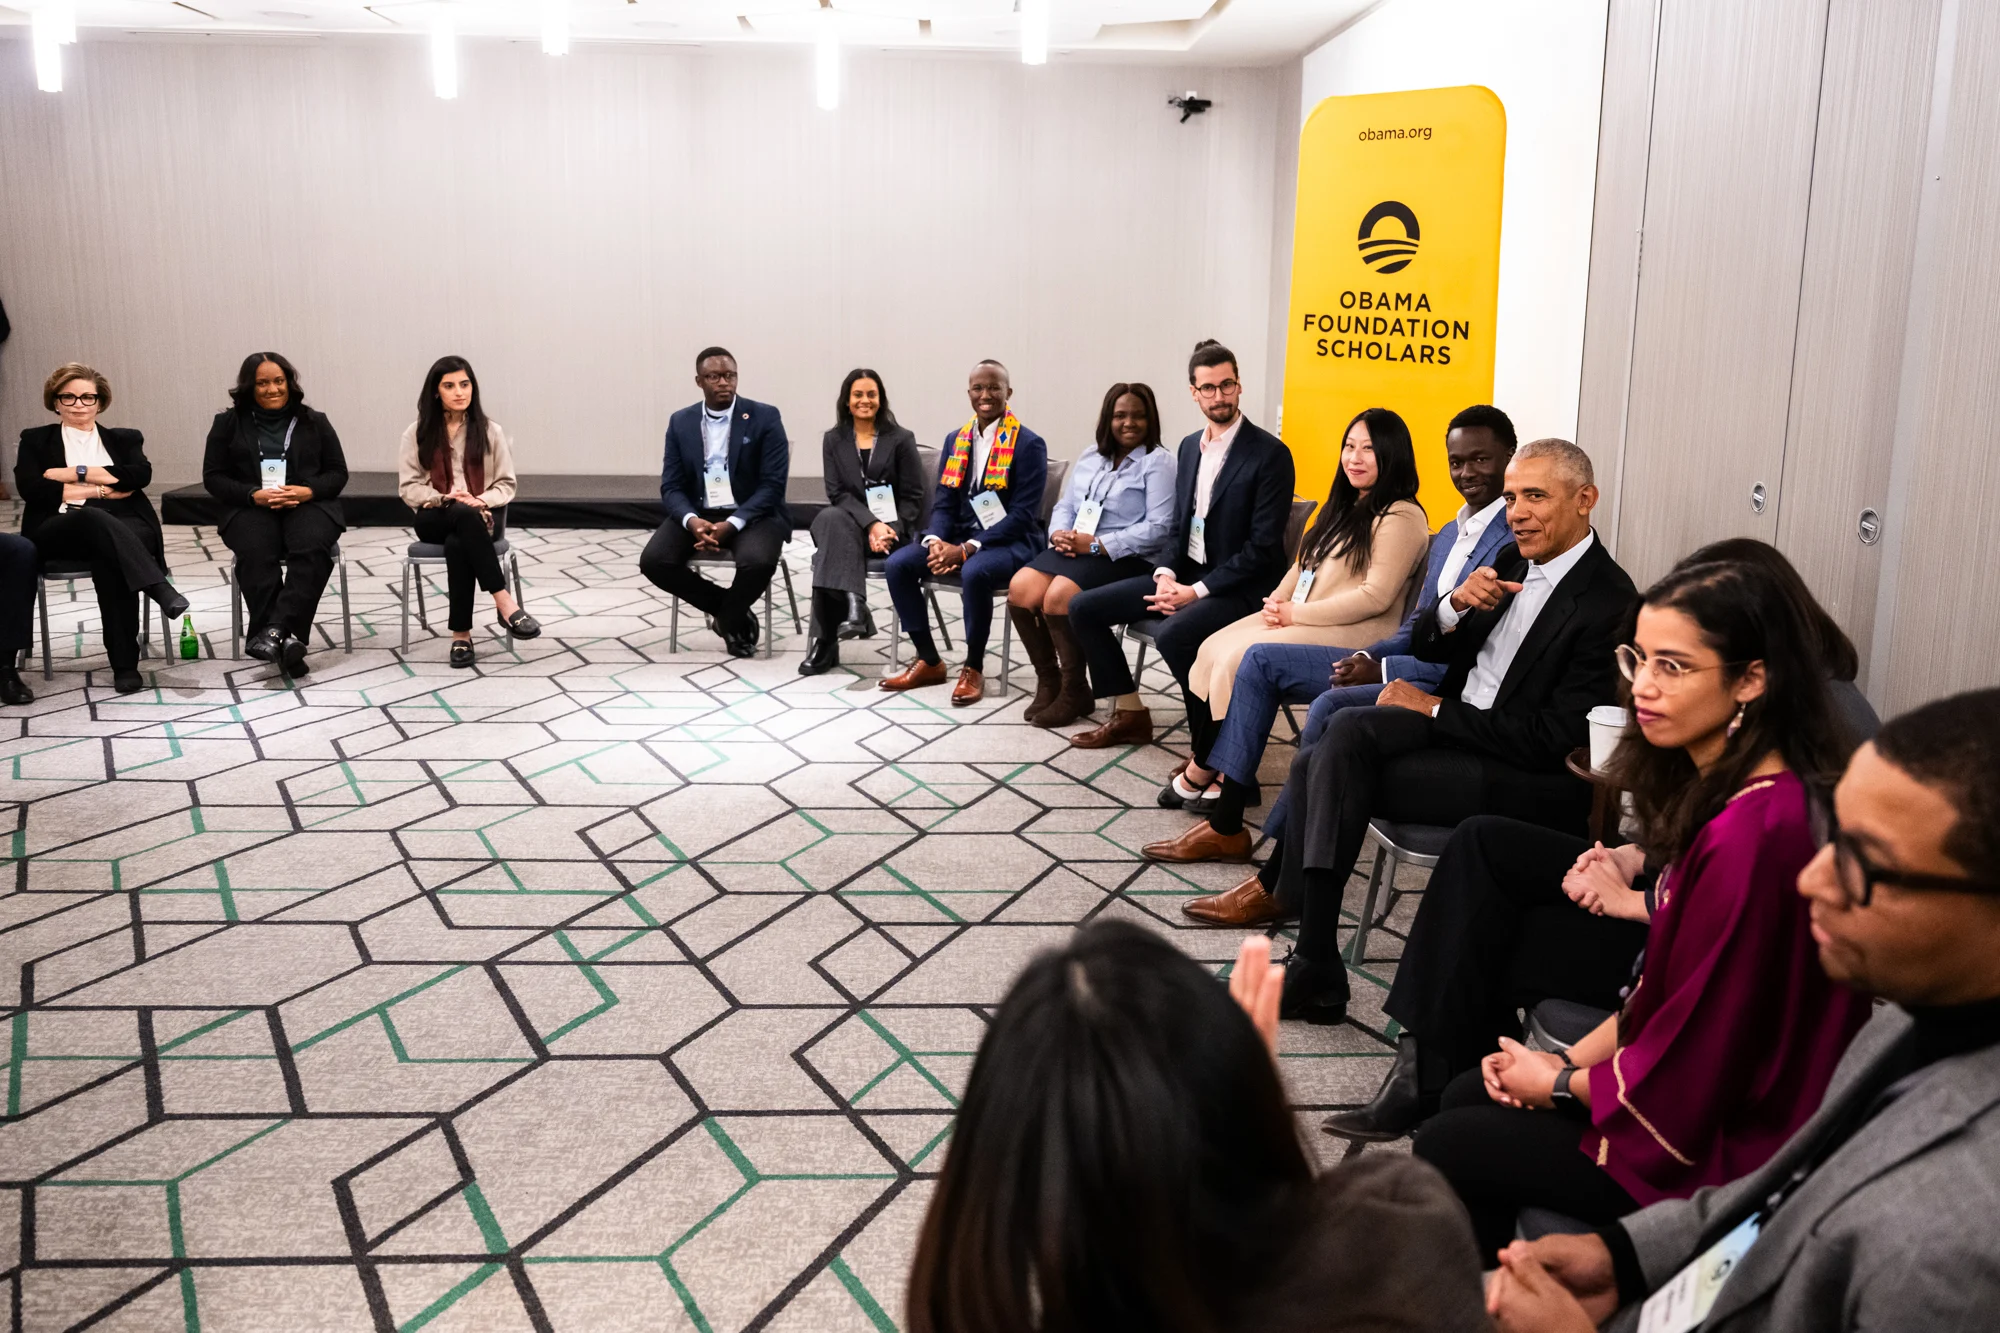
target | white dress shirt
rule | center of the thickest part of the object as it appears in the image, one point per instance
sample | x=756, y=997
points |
x=982, y=445
x=85, y=448
x=714, y=447
x=1471, y=527
x=1496, y=655
x=1214, y=453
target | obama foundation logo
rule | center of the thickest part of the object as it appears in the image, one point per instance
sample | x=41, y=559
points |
x=1388, y=253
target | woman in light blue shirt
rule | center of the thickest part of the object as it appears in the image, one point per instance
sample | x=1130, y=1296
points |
x=1116, y=521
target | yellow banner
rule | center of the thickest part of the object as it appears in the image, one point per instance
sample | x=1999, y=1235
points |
x=1395, y=274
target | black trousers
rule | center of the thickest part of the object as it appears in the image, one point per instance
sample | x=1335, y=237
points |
x=756, y=551
x=469, y=556
x=121, y=563
x=18, y=564
x=1495, y=933
x=303, y=538
x=1386, y=762
x=1095, y=617
x=1501, y=1159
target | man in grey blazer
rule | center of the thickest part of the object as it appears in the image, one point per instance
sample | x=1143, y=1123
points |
x=1883, y=1211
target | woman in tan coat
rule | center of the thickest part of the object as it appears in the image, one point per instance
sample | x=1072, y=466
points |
x=1347, y=587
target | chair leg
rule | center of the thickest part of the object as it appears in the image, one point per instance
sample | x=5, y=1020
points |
x=792, y=596
x=895, y=642
x=1006, y=650
x=514, y=564
x=937, y=616
x=673, y=624
x=770, y=623
x=1293, y=719
x=48, y=654
x=1358, y=949
x=423, y=614
x=235, y=614
x=346, y=615
x=406, y=606
x=1139, y=670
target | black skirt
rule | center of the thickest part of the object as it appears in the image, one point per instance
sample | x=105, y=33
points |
x=1091, y=571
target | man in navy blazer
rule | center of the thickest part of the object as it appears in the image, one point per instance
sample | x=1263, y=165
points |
x=1477, y=443
x=722, y=484
x=985, y=523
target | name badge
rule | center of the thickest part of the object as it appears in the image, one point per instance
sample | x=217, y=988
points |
x=988, y=508
x=882, y=504
x=715, y=484
x=1305, y=585
x=273, y=470
x=1684, y=1302
x=1087, y=515
x=1198, y=541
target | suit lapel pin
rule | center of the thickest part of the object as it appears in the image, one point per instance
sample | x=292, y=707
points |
x=746, y=416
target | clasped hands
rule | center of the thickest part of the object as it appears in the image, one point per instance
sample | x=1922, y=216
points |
x=1169, y=594
x=291, y=497
x=1277, y=612
x=943, y=557
x=1070, y=542
x=881, y=538
x=708, y=536
x=1601, y=882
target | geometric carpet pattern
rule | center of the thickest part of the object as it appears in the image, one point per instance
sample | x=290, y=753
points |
x=602, y=987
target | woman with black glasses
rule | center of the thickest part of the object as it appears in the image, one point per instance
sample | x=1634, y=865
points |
x=1727, y=1039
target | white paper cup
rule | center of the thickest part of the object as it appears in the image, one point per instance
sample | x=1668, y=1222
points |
x=1608, y=725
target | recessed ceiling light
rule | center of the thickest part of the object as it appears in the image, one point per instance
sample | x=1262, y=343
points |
x=284, y=14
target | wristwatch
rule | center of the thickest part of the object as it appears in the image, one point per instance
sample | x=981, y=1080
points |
x=82, y=473
x=1095, y=549
x=1565, y=1101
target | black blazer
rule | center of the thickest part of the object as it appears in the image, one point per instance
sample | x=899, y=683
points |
x=760, y=459
x=1247, y=512
x=893, y=461
x=42, y=448
x=231, y=467
x=1563, y=670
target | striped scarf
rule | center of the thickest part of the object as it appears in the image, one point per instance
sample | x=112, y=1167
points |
x=998, y=459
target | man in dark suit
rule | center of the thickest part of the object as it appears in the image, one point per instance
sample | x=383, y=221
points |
x=1878, y=1213
x=723, y=485
x=1229, y=552
x=1527, y=644
x=985, y=523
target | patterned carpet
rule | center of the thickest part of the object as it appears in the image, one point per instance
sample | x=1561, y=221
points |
x=600, y=988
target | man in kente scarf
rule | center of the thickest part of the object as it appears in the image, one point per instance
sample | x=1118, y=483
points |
x=985, y=524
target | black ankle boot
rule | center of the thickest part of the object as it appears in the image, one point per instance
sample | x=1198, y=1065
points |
x=860, y=621
x=1399, y=1105
x=823, y=642
x=1314, y=992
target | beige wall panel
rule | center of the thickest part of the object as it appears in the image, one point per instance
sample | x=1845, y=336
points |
x=1944, y=538
x=1735, y=100
x=1855, y=296
x=579, y=227
x=1614, y=240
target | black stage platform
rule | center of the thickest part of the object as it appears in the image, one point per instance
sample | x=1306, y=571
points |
x=544, y=502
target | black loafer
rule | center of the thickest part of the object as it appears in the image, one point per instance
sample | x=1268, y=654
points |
x=292, y=654
x=1314, y=993
x=461, y=653
x=13, y=690
x=521, y=625
x=265, y=644
x=127, y=682
x=742, y=640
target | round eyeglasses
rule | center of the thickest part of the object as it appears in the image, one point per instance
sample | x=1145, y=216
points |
x=1668, y=672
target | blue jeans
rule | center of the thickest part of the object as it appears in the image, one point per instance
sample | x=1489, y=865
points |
x=1323, y=709
x=1270, y=674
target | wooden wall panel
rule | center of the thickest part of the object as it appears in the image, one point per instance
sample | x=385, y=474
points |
x=1855, y=296
x=1736, y=95
x=580, y=227
x=1624, y=125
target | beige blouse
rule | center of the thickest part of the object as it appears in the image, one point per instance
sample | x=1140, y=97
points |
x=413, y=482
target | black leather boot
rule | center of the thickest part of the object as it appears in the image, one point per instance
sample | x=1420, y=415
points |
x=1314, y=992
x=1399, y=1104
x=823, y=639
x=860, y=622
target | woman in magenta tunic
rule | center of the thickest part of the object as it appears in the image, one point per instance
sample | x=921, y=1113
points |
x=1727, y=1040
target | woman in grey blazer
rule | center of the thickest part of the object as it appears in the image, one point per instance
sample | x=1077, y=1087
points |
x=875, y=496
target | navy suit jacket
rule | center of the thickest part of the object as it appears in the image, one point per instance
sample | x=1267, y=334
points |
x=1021, y=530
x=1248, y=509
x=760, y=460
x=1394, y=652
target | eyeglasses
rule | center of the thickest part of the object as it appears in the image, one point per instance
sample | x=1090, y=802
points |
x=1225, y=388
x=1668, y=672
x=1858, y=877
x=720, y=376
x=76, y=400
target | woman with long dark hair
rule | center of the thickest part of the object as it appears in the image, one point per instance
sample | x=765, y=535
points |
x=457, y=475
x=84, y=487
x=1728, y=1038
x=1115, y=521
x=874, y=501
x=1347, y=587
x=277, y=464
x=1125, y=1159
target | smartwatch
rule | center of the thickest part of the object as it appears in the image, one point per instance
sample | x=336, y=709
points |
x=82, y=473
x=1095, y=549
x=1565, y=1101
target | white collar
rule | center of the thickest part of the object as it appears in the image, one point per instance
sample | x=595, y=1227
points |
x=723, y=415
x=1557, y=569
x=1224, y=437
x=72, y=433
x=1473, y=524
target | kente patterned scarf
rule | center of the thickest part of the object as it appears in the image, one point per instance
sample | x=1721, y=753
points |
x=998, y=459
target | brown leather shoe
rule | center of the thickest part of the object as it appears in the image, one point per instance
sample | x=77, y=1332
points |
x=1128, y=726
x=1201, y=843
x=971, y=688
x=1245, y=905
x=916, y=674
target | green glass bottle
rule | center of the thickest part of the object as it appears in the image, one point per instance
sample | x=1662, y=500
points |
x=190, y=645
